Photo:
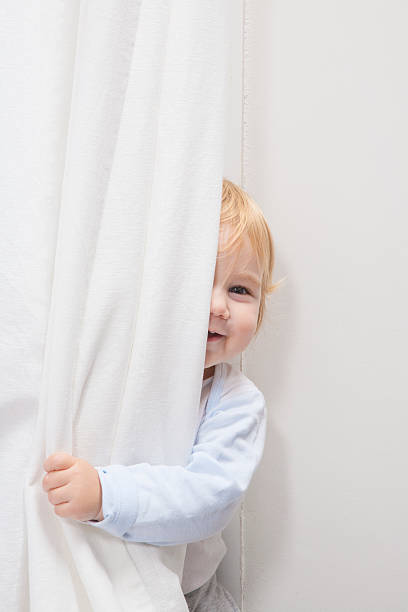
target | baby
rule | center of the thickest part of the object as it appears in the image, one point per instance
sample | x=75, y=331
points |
x=168, y=505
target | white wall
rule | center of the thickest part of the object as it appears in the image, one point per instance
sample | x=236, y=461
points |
x=325, y=155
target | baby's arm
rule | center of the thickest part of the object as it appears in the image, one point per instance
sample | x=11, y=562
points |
x=169, y=505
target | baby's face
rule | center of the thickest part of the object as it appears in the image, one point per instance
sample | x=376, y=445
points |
x=235, y=303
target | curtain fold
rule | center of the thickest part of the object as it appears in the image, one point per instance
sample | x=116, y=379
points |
x=112, y=156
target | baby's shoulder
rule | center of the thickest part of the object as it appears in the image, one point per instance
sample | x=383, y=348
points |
x=235, y=385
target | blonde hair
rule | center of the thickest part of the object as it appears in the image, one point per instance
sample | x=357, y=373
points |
x=245, y=218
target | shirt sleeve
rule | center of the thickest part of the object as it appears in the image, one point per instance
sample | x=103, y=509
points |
x=166, y=505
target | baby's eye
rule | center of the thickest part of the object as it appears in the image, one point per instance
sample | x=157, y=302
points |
x=239, y=287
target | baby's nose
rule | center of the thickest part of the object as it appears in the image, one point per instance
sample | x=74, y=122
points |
x=219, y=306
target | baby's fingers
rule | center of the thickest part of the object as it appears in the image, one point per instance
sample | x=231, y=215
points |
x=59, y=496
x=65, y=510
x=52, y=480
x=58, y=461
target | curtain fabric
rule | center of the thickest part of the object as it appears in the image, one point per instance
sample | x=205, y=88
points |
x=112, y=161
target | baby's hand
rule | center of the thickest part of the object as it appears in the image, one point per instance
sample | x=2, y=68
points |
x=73, y=487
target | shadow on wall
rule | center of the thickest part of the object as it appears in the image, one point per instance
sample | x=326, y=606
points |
x=267, y=517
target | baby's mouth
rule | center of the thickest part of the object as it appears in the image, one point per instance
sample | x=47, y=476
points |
x=213, y=336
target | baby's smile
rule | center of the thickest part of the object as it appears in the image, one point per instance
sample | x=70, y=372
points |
x=214, y=336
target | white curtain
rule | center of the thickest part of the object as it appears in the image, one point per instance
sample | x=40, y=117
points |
x=112, y=116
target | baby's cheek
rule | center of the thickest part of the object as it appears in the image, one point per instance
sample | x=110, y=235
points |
x=246, y=333
x=249, y=322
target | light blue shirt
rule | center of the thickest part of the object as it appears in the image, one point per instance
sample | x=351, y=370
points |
x=166, y=505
